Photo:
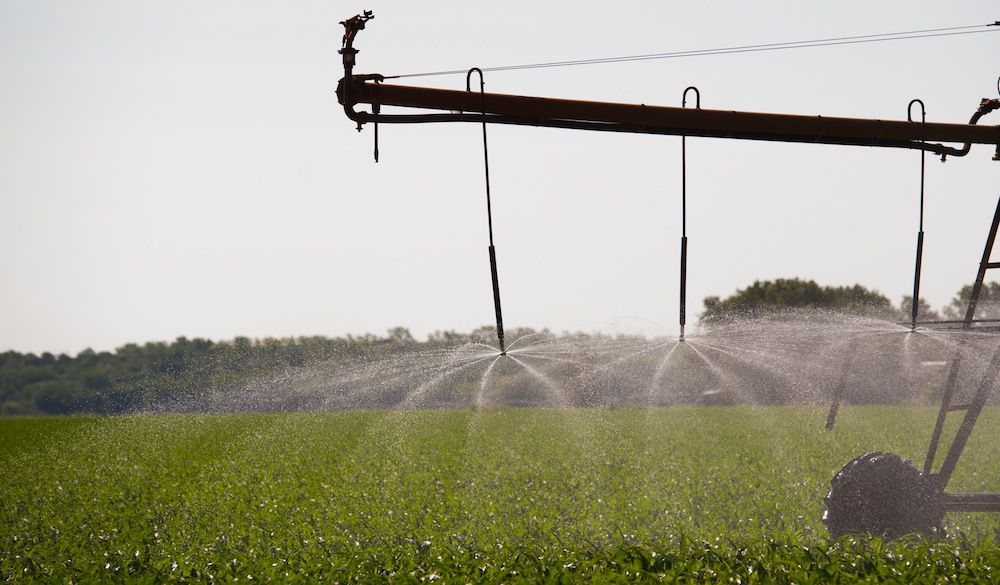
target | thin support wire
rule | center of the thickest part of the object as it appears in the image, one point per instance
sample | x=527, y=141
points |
x=827, y=42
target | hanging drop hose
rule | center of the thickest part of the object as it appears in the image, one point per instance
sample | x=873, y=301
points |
x=489, y=209
x=920, y=234
x=376, y=108
x=684, y=239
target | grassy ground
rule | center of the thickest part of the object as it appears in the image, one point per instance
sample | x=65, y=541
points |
x=700, y=494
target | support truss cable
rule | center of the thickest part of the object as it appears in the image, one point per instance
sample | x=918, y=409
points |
x=826, y=42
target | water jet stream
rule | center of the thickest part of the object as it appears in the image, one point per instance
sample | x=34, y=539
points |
x=792, y=380
x=485, y=345
x=550, y=358
x=722, y=376
x=558, y=393
x=363, y=379
x=791, y=360
x=482, y=382
x=526, y=335
x=420, y=390
x=661, y=369
x=633, y=355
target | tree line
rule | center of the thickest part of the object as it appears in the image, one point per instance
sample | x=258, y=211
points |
x=144, y=377
x=766, y=296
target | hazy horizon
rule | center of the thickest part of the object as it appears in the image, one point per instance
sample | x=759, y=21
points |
x=184, y=169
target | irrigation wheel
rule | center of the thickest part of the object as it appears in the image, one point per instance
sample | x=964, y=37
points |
x=883, y=494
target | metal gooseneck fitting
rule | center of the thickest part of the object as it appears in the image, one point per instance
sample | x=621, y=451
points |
x=351, y=28
x=920, y=234
x=489, y=207
x=684, y=239
x=986, y=106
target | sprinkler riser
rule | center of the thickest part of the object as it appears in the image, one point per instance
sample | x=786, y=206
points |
x=496, y=300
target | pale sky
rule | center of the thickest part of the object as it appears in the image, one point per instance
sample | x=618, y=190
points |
x=184, y=168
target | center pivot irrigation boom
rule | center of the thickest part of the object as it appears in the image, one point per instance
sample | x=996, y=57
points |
x=465, y=106
x=875, y=492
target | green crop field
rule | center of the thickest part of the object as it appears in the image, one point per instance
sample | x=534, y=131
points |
x=698, y=494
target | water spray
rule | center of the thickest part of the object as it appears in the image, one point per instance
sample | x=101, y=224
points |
x=489, y=209
x=859, y=492
x=684, y=239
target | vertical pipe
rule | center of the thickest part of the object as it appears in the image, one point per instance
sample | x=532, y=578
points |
x=684, y=256
x=489, y=209
x=831, y=416
x=493, y=254
x=916, y=280
x=684, y=240
x=920, y=234
x=375, y=112
x=376, y=109
x=496, y=299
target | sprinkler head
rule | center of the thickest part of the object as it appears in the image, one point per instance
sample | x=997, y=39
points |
x=504, y=352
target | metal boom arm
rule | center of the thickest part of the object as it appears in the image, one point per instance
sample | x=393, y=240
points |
x=463, y=106
x=642, y=119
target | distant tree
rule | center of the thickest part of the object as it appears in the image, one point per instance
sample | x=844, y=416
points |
x=527, y=335
x=401, y=336
x=988, y=306
x=445, y=337
x=924, y=310
x=768, y=296
x=485, y=334
x=61, y=397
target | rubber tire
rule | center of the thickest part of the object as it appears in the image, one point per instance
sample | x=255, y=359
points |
x=882, y=494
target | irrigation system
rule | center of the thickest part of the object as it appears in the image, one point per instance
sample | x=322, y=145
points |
x=874, y=493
